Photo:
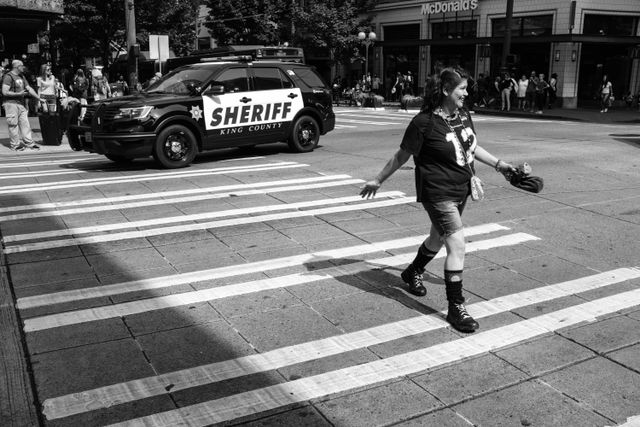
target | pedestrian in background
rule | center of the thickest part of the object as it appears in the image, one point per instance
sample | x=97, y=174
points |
x=100, y=86
x=442, y=141
x=530, y=94
x=523, y=84
x=15, y=90
x=79, y=90
x=606, y=90
x=553, y=90
x=47, y=89
x=541, y=93
x=506, y=85
x=122, y=88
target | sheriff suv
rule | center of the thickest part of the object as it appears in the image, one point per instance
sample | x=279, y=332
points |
x=217, y=103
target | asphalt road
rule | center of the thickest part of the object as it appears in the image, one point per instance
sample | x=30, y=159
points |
x=257, y=288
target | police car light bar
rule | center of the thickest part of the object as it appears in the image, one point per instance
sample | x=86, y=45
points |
x=247, y=58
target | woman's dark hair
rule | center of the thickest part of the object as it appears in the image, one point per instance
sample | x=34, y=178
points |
x=448, y=79
x=79, y=73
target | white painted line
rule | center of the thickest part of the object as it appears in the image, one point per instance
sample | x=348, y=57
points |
x=50, y=244
x=367, y=374
x=144, y=177
x=167, y=194
x=233, y=270
x=44, y=160
x=130, y=391
x=378, y=115
x=132, y=205
x=367, y=122
x=187, y=218
x=177, y=300
x=37, y=174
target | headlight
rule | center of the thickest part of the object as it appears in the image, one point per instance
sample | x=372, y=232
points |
x=133, y=113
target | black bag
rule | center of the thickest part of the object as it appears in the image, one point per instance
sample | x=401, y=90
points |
x=50, y=128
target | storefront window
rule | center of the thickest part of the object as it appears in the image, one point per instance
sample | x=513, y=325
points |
x=454, y=29
x=399, y=59
x=610, y=25
x=526, y=26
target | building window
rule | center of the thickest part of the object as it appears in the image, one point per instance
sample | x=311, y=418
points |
x=610, y=25
x=454, y=30
x=401, y=32
x=525, y=26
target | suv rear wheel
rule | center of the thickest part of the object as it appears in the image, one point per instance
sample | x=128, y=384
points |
x=305, y=134
x=175, y=147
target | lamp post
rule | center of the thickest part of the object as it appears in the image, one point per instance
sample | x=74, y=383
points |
x=367, y=40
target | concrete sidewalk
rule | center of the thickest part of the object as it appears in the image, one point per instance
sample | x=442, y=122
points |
x=37, y=137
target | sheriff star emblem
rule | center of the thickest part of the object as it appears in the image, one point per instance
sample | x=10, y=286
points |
x=196, y=112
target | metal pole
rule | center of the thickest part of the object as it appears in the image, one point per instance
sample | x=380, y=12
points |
x=132, y=59
x=366, y=59
x=506, y=47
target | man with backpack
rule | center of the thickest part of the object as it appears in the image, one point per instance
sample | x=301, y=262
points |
x=15, y=89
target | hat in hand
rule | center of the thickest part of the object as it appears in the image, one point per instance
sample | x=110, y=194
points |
x=522, y=179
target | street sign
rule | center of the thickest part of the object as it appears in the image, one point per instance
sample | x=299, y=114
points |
x=159, y=47
x=33, y=48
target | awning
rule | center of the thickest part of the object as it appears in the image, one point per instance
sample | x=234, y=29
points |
x=556, y=38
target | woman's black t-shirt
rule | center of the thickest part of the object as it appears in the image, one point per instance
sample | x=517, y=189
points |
x=441, y=171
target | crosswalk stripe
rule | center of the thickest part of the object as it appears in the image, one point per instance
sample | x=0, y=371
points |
x=130, y=391
x=187, y=218
x=132, y=205
x=50, y=244
x=234, y=270
x=168, y=194
x=22, y=188
x=367, y=374
x=158, y=303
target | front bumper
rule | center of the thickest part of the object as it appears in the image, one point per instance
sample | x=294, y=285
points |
x=124, y=144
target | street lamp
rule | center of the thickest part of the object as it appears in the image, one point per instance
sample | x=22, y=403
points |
x=367, y=40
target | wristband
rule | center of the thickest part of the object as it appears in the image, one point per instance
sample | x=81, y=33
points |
x=496, y=166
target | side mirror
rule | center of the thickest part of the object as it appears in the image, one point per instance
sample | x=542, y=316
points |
x=215, y=90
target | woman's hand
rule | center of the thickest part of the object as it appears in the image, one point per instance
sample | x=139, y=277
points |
x=370, y=189
x=505, y=169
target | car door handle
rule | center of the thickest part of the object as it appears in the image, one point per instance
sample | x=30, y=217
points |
x=292, y=95
x=245, y=99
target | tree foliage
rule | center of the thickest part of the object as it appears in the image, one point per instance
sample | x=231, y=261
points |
x=319, y=24
x=92, y=27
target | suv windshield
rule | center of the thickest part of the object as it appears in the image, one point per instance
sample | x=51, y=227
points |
x=181, y=81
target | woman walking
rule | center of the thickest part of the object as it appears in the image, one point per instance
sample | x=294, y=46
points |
x=442, y=141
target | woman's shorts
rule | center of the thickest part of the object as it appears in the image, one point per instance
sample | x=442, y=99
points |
x=446, y=216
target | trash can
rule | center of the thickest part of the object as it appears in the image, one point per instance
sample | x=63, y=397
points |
x=50, y=128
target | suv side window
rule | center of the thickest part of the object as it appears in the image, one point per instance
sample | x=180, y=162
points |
x=310, y=77
x=266, y=78
x=233, y=80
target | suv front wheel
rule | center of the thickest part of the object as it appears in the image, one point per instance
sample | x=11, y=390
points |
x=175, y=147
x=305, y=134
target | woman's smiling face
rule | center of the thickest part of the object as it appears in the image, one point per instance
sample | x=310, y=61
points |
x=455, y=98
